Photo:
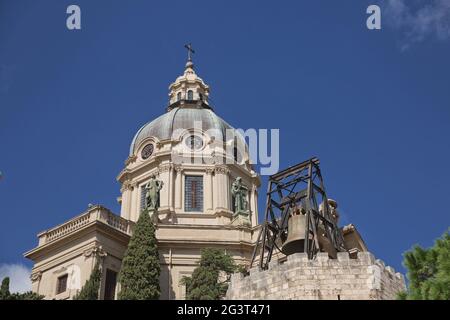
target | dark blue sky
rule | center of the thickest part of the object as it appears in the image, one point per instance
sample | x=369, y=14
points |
x=375, y=113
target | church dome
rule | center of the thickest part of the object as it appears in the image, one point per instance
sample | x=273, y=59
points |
x=182, y=117
x=188, y=109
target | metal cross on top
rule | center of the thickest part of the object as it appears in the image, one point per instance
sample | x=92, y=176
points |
x=190, y=50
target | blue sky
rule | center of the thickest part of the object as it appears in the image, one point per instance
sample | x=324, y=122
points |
x=374, y=106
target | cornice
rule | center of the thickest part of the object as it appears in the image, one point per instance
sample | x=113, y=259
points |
x=175, y=243
x=224, y=227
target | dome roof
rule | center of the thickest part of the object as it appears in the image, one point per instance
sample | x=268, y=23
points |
x=181, y=117
x=188, y=109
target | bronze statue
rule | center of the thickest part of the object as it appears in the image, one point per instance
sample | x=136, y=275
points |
x=152, y=193
x=239, y=191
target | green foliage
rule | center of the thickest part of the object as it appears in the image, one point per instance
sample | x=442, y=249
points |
x=429, y=271
x=403, y=295
x=4, y=290
x=91, y=288
x=205, y=284
x=6, y=295
x=29, y=295
x=139, y=275
x=242, y=269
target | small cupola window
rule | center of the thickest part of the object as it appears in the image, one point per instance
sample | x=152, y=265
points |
x=190, y=95
x=178, y=96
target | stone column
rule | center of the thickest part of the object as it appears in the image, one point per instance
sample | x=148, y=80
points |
x=221, y=174
x=178, y=187
x=134, y=202
x=126, y=203
x=36, y=281
x=164, y=176
x=219, y=188
x=208, y=191
x=227, y=191
x=215, y=190
x=171, y=188
x=254, y=205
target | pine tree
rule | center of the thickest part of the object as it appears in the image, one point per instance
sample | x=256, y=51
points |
x=205, y=284
x=139, y=275
x=90, y=290
x=428, y=271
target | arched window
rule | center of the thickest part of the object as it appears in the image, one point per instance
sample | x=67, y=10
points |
x=178, y=96
x=190, y=95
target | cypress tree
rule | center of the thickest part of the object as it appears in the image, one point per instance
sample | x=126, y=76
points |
x=90, y=290
x=139, y=275
x=5, y=294
x=205, y=284
x=4, y=290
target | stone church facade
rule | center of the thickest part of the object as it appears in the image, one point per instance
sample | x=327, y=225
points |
x=188, y=149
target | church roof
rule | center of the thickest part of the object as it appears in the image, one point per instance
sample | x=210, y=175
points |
x=182, y=116
x=188, y=109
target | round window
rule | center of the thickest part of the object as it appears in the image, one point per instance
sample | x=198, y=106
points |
x=147, y=151
x=194, y=142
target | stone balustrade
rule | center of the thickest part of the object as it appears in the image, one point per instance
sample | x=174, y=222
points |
x=95, y=213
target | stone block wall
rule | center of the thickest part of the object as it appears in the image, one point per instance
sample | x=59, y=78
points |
x=363, y=278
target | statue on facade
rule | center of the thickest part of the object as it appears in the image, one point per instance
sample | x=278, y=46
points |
x=152, y=189
x=239, y=192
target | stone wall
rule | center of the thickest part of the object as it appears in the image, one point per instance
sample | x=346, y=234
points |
x=363, y=278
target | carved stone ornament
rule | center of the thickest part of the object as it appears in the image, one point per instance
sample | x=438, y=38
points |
x=130, y=159
x=165, y=167
x=222, y=169
x=36, y=276
x=95, y=251
x=126, y=186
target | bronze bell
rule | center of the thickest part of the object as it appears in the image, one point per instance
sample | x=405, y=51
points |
x=295, y=241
